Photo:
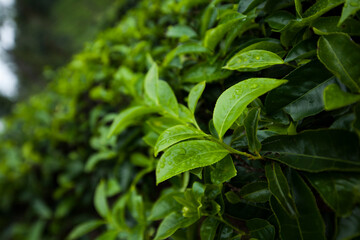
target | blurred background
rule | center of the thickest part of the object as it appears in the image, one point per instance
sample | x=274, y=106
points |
x=38, y=36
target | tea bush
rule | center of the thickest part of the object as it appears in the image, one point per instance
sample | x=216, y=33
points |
x=195, y=120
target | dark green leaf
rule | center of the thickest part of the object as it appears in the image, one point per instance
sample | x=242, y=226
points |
x=341, y=191
x=349, y=227
x=224, y=171
x=84, y=228
x=255, y=192
x=326, y=25
x=100, y=201
x=279, y=188
x=251, y=124
x=315, y=151
x=261, y=229
x=338, y=53
x=304, y=49
x=208, y=228
x=247, y=5
x=164, y=206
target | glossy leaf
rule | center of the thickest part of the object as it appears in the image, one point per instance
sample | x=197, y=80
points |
x=247, y=5
x=128, y=117
x=100, y=201
x=84, y=228
x=261, y=229
x=195, y=95
x=310, y=151
x=253, y=60
x=300, y=81
x=350, y=8
x=234, y=100
x=251, y=124
x=340, y=191
x=172, y=223
x=327, y=25
x=188, y=155
x=279, y=19
x=174, y=135
x=208, y=228
x=271, y=45
x=255, y=192
x=338, y=53
x=311, y=103
x=304, y=49
x=279, y=188
x=224, y=170
x=335, y=98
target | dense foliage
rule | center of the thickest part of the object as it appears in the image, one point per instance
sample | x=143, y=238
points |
x=195, y=120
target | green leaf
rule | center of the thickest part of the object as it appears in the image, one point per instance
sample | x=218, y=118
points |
x=84, y=228
x=315, y=151
x=234, y=100
x=186, y=48
x=208, y=228
x=279, y=188
x=97, y=157
x=188, y=155
x=279, y=19
x=261, y=229
x=224, y=170
x=327, y=25
x=108, y=235
x=311, y=103
x=253, y=60
x=310, y=221
x=151, y=84
x=298, y=8
x=340, y=191
x=338, y=53
x=194, y=95
x=215, y=35
x=167, y=98
x=171, y=223
x=349, y=227
x=350, y=8
x=304, y=49
x=100, y=201
x=300, y=81
x=205, y=72
x=270, y=44
x=164, y=206
x=180, y=31
x=335, y=98
x=128, y=117
x=174, y=135
x=251, y=125
x=255, y=192
x=247, y=5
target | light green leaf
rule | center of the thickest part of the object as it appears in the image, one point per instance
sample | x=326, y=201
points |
x=315, y=151
x=251, y=124
x=279, y=188
x=108, y=235
x=255, y=192
x=167, y=98
x=188, y=155
x=186, y=48
x=350, y=8
x=84, y=228
x=194, y=95
x=234, y=100
x=172, y=223
x=253, y=60
x=339, y=53
x=298, y=7
x=151, y=84
x=180, y=31
x=100, y=201
x=174, y=135
x=335, y=98
x=215, y=35
x=224, y=170
x=128, y=117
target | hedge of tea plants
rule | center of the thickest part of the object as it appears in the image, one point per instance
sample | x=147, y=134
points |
x=195, y=119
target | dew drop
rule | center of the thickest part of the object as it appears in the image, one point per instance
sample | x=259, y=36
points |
x=257, y=58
